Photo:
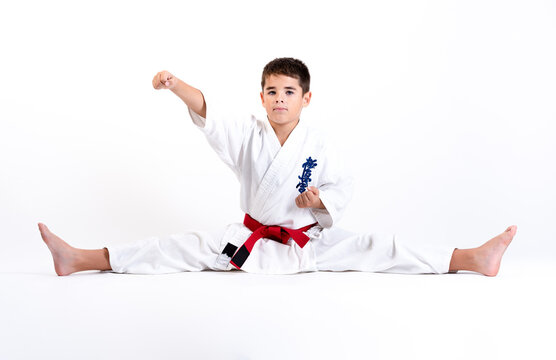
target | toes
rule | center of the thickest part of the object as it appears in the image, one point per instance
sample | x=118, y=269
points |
x=42, y=231
x=42, y=227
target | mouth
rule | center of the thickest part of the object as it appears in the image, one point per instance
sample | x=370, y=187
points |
x=280, y=109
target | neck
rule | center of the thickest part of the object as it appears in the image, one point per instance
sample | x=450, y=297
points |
x=283, y=131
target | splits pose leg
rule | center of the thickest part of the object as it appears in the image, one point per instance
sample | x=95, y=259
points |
x=196, y=251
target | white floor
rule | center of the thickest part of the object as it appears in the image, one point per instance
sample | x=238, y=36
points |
x=212, y=315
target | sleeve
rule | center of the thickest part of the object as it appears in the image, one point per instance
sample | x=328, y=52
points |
x=335, y=191
x=225, y=133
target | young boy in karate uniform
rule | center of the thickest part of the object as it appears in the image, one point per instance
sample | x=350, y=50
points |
x=292, y=191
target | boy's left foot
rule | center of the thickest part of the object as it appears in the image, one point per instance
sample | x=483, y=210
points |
x=489, y=255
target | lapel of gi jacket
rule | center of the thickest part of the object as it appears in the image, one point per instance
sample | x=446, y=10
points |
x=280, y=166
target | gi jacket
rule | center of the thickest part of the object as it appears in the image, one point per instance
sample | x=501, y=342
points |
x=271, y=177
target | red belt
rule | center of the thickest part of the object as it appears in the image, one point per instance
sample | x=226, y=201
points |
x=259, y=230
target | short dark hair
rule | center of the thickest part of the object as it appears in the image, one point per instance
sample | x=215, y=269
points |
x=290, y=67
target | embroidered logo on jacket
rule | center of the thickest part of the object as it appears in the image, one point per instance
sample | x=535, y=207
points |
x=306, y=176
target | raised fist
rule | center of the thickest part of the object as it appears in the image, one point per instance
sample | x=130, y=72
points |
x=164, y=80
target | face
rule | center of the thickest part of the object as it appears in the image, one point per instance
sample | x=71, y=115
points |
x=283, y=100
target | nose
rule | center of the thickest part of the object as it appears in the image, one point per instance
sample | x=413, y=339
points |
x=280, y=98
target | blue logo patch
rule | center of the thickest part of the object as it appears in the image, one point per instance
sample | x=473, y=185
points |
x=306, y=176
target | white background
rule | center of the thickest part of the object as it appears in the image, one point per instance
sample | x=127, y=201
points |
x=444, y=110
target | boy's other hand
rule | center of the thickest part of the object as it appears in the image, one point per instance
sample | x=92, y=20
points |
x=309, y=199
x=164, y=80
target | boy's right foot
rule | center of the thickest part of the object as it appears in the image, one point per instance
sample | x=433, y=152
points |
x=64, y=256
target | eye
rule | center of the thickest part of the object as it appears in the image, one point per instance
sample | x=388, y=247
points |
x=289, y=92
x=271, y=92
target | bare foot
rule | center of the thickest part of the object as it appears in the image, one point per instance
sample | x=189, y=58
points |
x=489, y=255
x=64, y=256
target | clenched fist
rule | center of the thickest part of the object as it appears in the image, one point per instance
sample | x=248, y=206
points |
x=164, y=80
x=309, y=199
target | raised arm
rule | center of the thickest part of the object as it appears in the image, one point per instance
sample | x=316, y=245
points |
x=191, y=96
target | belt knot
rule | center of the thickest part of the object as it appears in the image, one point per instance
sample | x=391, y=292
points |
x=273, y=232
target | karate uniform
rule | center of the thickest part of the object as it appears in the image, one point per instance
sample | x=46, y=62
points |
x=270, y=177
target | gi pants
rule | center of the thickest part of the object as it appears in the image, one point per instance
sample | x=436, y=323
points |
x=332, y=249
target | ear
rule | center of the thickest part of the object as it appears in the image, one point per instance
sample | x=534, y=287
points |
x=307, y=98
x=262, y=97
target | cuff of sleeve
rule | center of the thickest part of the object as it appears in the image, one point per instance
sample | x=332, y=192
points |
x=204, y=124
x=323, y=216
x=197, y=119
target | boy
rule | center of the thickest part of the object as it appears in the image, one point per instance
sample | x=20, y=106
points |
x=292, y=193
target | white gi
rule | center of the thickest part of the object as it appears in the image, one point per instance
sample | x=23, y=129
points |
x=269, y=176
